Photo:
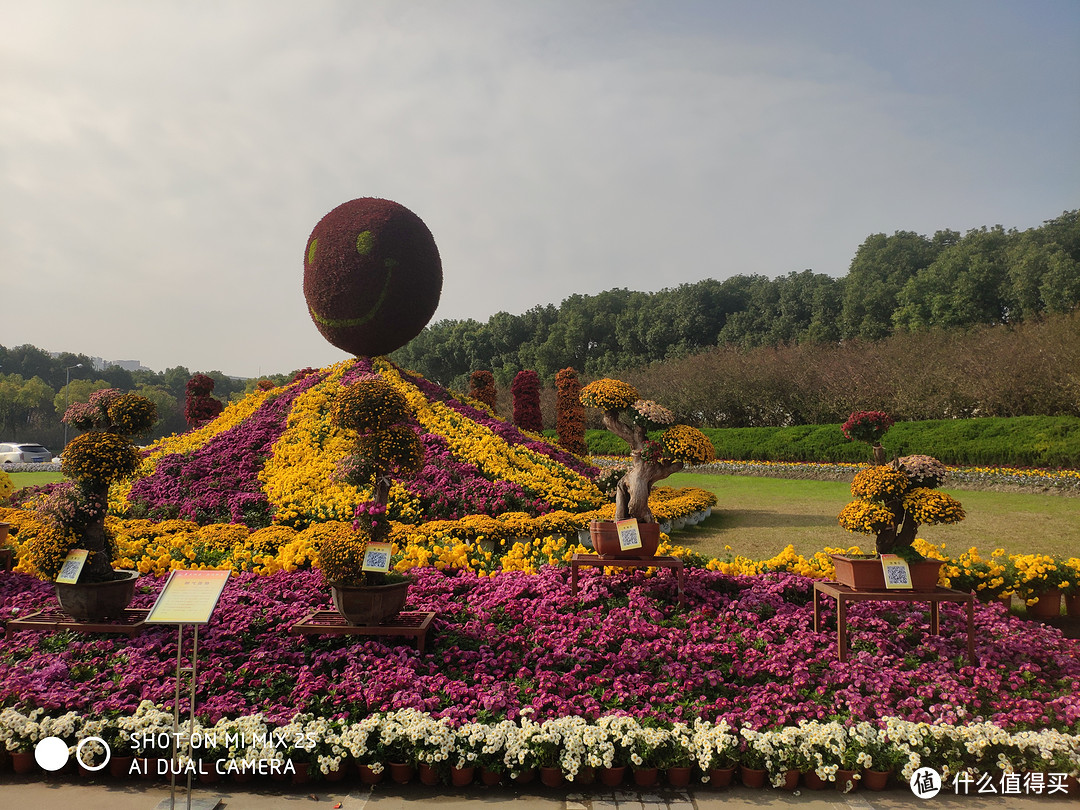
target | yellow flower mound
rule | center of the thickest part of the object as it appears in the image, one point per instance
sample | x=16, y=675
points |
x=932, y=506
x=866, y=517
x=299, y=477
x=535, y=473
x=687, y=444
x=609, y=395
x=880, y=483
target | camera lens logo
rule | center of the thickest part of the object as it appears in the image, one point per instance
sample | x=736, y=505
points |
x=52, y=753
x=926, y=783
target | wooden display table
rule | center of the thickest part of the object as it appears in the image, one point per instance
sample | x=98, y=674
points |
x=410, y=623
x=843, y=594
x=594, y=561
x=133, y=621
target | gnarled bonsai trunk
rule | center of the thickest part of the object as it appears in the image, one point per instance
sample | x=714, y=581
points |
x=632, y=491
x=903, y=534
x=97, y=568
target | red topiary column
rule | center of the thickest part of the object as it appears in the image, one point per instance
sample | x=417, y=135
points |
x=569, y=412
x=526, y=391
x=482, y=387
x=200, y=407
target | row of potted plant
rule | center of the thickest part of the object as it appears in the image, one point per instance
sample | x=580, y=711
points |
x=578, y=749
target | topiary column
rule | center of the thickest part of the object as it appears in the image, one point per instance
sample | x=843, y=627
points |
x=569, y=412
x=482, y=387
x=526, y=391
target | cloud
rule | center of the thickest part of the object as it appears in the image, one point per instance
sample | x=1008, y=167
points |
x=167, y=161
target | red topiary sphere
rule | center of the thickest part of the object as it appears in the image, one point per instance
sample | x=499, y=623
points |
x=372, y=276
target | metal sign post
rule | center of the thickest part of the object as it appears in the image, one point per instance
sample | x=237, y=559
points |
x=188, y=598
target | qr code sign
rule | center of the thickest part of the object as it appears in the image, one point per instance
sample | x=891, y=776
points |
x=896, y=575
x=378, y=559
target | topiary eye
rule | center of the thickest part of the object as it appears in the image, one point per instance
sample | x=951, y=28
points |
x=365, y=242
x=311, y=250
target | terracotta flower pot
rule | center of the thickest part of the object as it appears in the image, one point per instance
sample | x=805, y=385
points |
x=646, y=777
x=1047, y=606
x=460, y=777
x=866, y=574
x=525, y=776
x=23, y=761
x=120, y=766
x=605, y=539
x=1072, y=605
x=752, y=777
x=552, y=777
x=490, y=778
x=401, y=772
x=721, y=777
x=369, y=777
x=813, y=781
x=586, y=775
x=428, y=775
x=612, y=777
x=678, y=776
x=791, y=779
x=303, y=773
x=876, y=780
x=847, y=781
x=338, y=773
x=212, y=777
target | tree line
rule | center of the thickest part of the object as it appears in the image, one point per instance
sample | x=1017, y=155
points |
x=903, y=283
x=36, y=389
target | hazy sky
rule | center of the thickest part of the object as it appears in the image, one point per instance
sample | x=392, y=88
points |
x=162, y=163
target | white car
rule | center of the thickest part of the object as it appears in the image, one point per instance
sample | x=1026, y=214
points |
x=24, y=454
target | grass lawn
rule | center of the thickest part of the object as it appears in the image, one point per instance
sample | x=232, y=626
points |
x=758, y=517
x=34, y=479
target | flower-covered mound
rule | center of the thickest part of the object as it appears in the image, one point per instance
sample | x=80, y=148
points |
x=273, y=457
x=743, y=649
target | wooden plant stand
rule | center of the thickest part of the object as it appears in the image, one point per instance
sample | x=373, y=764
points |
x=409, y=623
x=594, y=561
x=131, y=623
x=843, y=594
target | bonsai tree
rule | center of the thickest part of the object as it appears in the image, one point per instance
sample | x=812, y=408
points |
x=630, y=418
x=868, y=427
x=893, y=500
x=386, y=445
x=94, y=460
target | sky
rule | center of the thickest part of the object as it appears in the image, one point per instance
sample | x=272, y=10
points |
x=162, y=164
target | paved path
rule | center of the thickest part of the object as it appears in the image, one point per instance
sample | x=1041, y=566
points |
x=20, y=793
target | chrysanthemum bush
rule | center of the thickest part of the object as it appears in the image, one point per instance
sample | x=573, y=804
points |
x=525, y=674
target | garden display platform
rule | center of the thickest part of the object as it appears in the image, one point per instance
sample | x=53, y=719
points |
x=594, y=561
x=133, y=621
x=409, y=623
x=843, y=594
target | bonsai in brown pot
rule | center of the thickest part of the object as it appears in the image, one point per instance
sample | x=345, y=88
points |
x=377, y=414
x=630, y=418
x=891, y=502
x=99, y=457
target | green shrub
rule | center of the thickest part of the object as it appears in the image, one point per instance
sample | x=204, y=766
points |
x=1022, y=441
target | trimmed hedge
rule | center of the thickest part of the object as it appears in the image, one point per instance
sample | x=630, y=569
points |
x=1021, y=441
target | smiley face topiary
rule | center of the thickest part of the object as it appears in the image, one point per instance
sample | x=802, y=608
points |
x=372, y=276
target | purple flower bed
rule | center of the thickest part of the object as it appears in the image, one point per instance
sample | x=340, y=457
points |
x=219, y=482
x=449, y=488
x=743, y=649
